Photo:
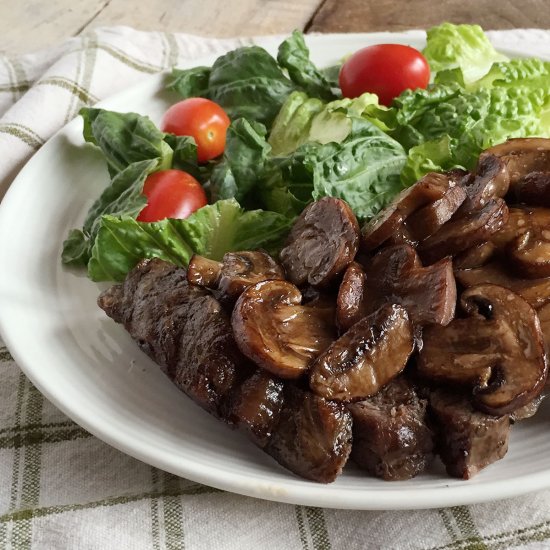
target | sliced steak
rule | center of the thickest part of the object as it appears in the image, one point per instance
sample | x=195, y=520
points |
x=391, y=439
x=313, y=437
x=255, y=406
x=467, y=440
x=181, y=327
x=322, y=243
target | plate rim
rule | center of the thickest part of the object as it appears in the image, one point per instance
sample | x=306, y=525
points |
x=295, y=491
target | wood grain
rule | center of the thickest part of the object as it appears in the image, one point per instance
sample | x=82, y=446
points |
x=221, y=18
x=29, y=25
x=396, y=15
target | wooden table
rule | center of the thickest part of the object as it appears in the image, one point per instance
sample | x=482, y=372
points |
x=28, y=25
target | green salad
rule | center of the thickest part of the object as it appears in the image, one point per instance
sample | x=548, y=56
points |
x=293, y=138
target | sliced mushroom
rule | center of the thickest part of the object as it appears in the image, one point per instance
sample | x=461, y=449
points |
x=498, y=350
x=203, y=271
x=350, y=304
x=530, y=254
x=322, y=243
x=313, y=436
x=534, y=189
x=280, y=335
x=536, y=292
x=522, y=156
x=529, y=410
x=490, y=181
x=366, y=357
x=464, y=231
x=430, y=190
x=475, y=257
x=235, y=273
x=395, y=275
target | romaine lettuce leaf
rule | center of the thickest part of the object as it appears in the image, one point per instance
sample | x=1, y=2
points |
x=303, y=120
x=245, y=154
x=363, y=169
x=246, y=82
x=293, y=56
x=190, y=82
x=125, y=138
x=123, y=197
x=211, y=231
x=464, y=47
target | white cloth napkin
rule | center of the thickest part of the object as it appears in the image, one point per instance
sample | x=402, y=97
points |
x=62, y=488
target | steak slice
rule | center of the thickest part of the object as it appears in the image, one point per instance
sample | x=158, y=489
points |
x=182, y=328
x=391, y=439
x=255, y=406
x=467, y=440
x=313, y=437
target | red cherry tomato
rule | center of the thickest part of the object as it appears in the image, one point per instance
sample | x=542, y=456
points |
x=171, y=194
x=201, y=119
x=385, y=70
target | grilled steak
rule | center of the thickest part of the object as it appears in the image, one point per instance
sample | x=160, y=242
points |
x=256, y=405
x=467, y=440
x=313, y=438
x=391, y=439
x=181, y=327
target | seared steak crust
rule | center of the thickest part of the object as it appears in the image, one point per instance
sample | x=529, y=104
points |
x=181, y=327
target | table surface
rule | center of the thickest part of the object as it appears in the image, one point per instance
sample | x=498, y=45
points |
x=33, y=24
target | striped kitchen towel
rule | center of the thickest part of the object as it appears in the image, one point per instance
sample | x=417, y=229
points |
x=62, y=488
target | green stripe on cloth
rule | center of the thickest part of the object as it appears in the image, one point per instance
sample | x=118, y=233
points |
x=155, y=514
x=38, y=437
x=22, y=515
x=318, y=528
x=21, y=132
x=15, y=88
x=173, y=512
x=312, y=528
x=38, y=426
x=131, y=62
x=71, y=86
x=5, y=355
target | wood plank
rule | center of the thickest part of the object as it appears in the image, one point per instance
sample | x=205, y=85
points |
x=396, y=15
x=221, y=18
x=33, y=24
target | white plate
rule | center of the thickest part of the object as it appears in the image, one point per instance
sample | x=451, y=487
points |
x=91, y=369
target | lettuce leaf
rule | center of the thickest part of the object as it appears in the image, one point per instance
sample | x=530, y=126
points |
x=464, y=47
x=293, y=56
x=246, y=82
x=125, y=138
x=363, y=169
x=211, y=231
x=303, y=120
x=245, y=154
x=122, y=197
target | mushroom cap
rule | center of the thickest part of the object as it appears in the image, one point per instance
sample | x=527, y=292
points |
x=498, y=350
x=522, y=156
x=536, y=292
x=322, y=242
x=370, y=354
x=490, y=180
x=464, y=231
x=280, y=335
x=237, y=271
x=534, y=189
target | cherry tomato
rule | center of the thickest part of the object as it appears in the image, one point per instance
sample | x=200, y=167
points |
x=201, y=119
x=171, y=194
x=385, y=70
